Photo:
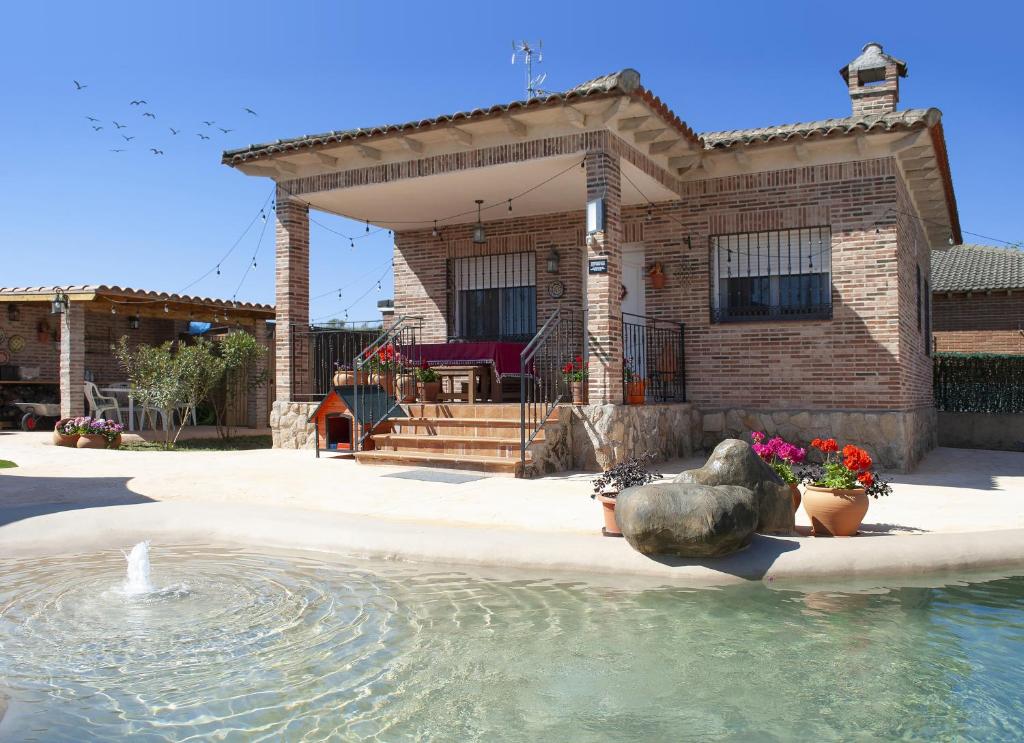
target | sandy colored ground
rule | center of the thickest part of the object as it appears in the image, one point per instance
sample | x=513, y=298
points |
x=954, y=490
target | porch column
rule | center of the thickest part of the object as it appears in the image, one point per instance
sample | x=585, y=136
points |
x=72, y=361
x=292, y=296
x=604, y=300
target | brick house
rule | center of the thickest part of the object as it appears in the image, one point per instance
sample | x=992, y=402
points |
x=756, y=279
x=48, y=357
x=978, y=299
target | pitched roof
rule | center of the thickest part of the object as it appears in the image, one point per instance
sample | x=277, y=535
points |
x=965, y=268
x=139, y=294
x=626, y=82
x=914, y=118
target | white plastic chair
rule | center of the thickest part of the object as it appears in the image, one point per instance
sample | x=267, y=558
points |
x=99, y=405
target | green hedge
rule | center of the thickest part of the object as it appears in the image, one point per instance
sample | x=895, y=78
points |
x=979, y=382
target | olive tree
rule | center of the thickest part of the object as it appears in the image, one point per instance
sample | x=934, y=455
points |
x=240, y=353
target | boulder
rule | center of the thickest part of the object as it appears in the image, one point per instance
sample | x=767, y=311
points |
x=686, y=520
x=733, y=462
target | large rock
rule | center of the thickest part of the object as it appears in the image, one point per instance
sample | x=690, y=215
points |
x=687, y=520
x=733, y=462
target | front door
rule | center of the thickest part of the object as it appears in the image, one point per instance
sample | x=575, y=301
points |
x=634, y=307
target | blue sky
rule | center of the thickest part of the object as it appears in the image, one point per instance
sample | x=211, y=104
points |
x=72, y=211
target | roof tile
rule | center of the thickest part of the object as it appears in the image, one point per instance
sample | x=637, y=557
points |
x=965, y=268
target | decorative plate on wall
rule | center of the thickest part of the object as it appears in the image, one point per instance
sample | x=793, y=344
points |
x=556, y=289
x=15, y=343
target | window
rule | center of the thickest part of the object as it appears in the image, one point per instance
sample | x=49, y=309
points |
x=927, y=318
x=778, y=275
x=492, y=297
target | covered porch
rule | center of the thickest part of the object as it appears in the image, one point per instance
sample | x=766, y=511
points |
x=57, y=348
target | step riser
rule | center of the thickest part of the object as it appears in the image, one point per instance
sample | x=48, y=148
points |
x=429, y=447
x=489, y=431
x=441, y=410
x=493, y=468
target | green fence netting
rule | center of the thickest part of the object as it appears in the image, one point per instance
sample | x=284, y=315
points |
x=979, y=383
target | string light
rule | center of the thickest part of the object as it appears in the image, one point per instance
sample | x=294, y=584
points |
x=510, y=205
x=166, y=309
x=113, y=310
x=434, y=231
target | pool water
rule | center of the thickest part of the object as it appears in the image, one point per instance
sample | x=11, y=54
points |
x=243, y=646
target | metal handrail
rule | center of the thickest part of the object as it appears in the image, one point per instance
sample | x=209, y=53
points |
x=559, y=330
x=403, y=327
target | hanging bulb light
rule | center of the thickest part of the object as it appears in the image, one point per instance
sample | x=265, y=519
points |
x=510, y=205
x=352, y=243
x=218, y=269
x=339, y=293
x=166, y=309
x=367, y=226
x=263, y=215
x=434, y=232
x=113, y=309
x=378, y=286
x=479, y=233
x=254, y=263
x=950, y=241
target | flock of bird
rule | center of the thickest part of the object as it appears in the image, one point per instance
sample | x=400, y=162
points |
x=99, y=125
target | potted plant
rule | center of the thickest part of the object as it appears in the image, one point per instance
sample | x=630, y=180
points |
x=836, y=490
x=112, y=433
x=383, y=363
x=405, y=384
x=575, y=374
x=657, y=276
x=428, y=383
x=91, y=433
x=634, y=384
x=65, y=432
x=345, y=377
x=781, y=456
x=607, y=486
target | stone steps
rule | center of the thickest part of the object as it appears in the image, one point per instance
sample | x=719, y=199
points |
x=493, y=465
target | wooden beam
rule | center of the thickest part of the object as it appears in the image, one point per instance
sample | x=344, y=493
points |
x=801, y=152
x=907, y=142
x=647, y=135
x=575, y=116
x=266, y=170
x=515, y=127
x=742, y=158
x=285, y=167
x=666, y=145
x=366, y=151
x=610, y=111
x=326, y=159
x=461, y=136
x=412, y=145
x=684, y=161
x=862, y=143
x=633, y=122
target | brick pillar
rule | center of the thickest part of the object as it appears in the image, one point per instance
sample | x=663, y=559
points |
x=261, y=416
x=291, y=278
x=604, y=300
x=72, y=361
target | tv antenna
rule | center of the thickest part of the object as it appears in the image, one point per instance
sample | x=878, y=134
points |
x=524, y=51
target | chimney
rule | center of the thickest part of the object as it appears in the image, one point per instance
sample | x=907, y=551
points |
x=873, y=80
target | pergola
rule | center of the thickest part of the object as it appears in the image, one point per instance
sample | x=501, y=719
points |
x=57, y=324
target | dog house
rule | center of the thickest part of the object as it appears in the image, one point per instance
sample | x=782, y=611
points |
x=337, y=427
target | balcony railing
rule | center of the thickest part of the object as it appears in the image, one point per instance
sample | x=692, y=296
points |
x=654, y=352
x=318, y=351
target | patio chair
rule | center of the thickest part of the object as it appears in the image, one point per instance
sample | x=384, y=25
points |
x=99, y=405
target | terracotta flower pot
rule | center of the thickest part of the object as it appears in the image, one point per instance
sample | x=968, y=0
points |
x=92, y=441
x=63, y=439
x=428, y=391
x=794, y=489
x=833, y=511
x=114, y=443
x=579, y=392
x=611, y=526
x=342, y=378
x=635, y=392
x=406, y=388
x=385, y=380
x=657, y=280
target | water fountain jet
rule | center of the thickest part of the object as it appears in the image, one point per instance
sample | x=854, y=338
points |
x=138, y=582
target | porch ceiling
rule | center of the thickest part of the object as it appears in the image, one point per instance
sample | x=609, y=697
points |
x=414, y=203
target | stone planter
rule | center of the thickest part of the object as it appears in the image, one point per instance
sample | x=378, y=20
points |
x=347, y=377
x=385, y=380
x=635, y=392
x=835, y=512
x=92, y=441
x=579, y=392
x=611, y=526
x=428, y=391
x=794, y=489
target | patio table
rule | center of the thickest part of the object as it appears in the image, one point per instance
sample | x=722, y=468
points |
x=501, y=357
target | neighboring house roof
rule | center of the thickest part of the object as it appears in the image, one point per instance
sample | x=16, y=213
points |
x=914, y=118
x=127, y=293
x=966, y=268
x=624, y=82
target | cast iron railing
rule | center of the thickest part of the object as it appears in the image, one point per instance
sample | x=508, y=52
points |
x=653, y=352
x=317, y=351
x=385, y=364
x=541, y=382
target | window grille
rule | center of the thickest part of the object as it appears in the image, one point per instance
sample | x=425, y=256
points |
x=492, y=297
x=774, y=275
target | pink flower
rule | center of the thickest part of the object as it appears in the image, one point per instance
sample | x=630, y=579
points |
x=757, y=436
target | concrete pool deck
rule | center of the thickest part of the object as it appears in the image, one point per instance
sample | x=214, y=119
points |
x=962, y=510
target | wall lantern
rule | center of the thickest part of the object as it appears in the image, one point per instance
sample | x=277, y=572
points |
x=13, y=312
x=133, y=322
x=59, y=303
x=595, y=216
x=479, y=233
x=553, y=260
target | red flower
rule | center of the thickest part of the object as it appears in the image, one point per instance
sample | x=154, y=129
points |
x=826, y=445
x=424, y=364
x=567, y=369
x=866, y=479
x=579, y=359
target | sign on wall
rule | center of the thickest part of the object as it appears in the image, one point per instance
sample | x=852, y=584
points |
x=597, y=265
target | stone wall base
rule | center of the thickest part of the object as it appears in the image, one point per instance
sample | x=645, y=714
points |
x=998, y=431
x=896, y=440
x=605, y=435
x=290, y=426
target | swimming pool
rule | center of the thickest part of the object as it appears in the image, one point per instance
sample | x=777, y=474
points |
x=238, y=645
